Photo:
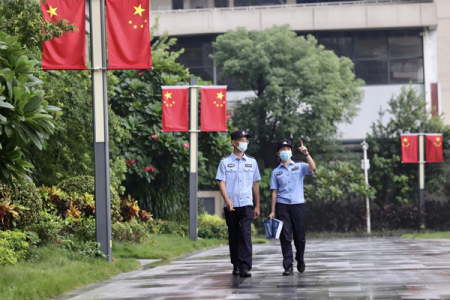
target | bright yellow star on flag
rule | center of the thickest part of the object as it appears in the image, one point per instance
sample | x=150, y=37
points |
x=138, y=10
x=220, y=95
x=405, y=139
x=145, y=21
x=142, y=26
x=129, y=22
x=52, y=11
x=168, y=95
x=135, y=26
x=438, y=139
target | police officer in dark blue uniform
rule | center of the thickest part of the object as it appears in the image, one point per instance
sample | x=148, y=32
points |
x=288, y=203
x=238, y=177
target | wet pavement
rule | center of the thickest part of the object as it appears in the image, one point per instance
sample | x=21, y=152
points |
x=359, y=268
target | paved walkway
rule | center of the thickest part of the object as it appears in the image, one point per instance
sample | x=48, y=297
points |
x=359, y=268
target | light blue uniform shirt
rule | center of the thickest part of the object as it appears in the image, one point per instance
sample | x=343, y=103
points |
x=289, y=182
x=239, y=175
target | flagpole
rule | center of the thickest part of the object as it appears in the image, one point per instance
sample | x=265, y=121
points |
x=193, y=159
x=421, y=179
x=100, y=111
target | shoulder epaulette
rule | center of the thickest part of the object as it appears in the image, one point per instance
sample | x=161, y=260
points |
x=250, y=156
x=300, y=162
x=225, y=157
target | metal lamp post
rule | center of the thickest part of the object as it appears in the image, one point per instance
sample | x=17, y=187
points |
x=365, y=147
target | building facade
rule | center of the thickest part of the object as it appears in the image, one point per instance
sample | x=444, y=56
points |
x=391, y=42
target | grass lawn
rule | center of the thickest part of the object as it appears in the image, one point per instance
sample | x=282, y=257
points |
x=53, y=271
x=428, y=235
x=165, y=246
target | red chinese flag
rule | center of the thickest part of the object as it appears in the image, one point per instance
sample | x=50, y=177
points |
x=175, y=109
x=67, y=52
x=410, y=149
x=434, y=153
x=128, y=34
x=214, y=108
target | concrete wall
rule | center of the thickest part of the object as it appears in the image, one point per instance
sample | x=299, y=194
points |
x=443, y=56
x=375, y=97
x=187, y=22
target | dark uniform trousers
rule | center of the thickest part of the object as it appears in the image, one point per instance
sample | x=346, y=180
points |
x=239, y=224
x=293, y=217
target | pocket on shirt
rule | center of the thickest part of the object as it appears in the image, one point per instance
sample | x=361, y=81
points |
x=248, y=173
x=231, y=174
x=282, y=180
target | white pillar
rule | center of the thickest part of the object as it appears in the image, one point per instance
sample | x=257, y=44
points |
x=429, y=62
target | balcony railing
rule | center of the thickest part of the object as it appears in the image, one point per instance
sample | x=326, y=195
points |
x=287, y=6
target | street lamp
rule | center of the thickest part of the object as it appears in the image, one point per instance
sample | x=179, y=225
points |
x=365, y=166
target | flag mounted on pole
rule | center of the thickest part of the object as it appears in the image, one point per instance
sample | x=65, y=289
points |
x=175, y=109
x=409, y=148
x=128, y=34
x=68, y=52
x=434, y=152
x=213, y=108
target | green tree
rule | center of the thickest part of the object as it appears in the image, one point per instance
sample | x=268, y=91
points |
x=23, y=18
x=396, y=182
x=302, y=91
x=69, y=151
x=158, y=162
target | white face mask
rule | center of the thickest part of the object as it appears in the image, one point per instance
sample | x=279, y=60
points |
x=286, y=155
x=242, y=146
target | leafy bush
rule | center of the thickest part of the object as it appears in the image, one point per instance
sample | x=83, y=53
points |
x=168, y=227
x=26, y=118
x=9, y=213
x=13, y=246
x=133, y=231
x=209, y=226
x=87, y=248
x=26, y=195
x=86, y=184
x=48, y=227
x=129, y=208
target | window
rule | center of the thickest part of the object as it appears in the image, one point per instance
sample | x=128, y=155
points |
x=406, y=70
x=380, y=56
x=372, y=71
x=258, y=2
x=405, y=44
x=370, y=45
x=221, y=3
x=197, y=50
x=177, y=4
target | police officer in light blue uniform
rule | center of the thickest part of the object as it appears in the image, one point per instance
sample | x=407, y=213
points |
x=238, y=177
x=288, y=203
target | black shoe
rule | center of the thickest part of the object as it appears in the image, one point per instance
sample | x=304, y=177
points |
x=235, y=270
x=289, y=271
x=245, y=272
x=301, y=266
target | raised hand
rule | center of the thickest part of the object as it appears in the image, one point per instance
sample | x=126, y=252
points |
x=303, y=149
